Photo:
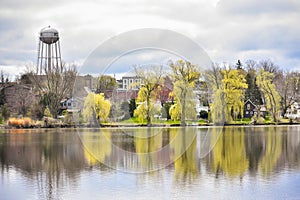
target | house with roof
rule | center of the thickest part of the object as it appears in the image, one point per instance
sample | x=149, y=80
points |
x=293, y=112
x=250, y=109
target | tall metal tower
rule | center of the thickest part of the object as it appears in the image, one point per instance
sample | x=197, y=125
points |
x=49, y=55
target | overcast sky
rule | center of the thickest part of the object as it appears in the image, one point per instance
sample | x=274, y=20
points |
x=226, y=29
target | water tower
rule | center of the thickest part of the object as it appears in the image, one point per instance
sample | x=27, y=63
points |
x=49, y=55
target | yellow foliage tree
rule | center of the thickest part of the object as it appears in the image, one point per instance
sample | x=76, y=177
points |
x=185, y=76
x=96, y=108
x=267, y=87
x=151, y=81
x=229, y=96
x=147, y=108
x=176, y=109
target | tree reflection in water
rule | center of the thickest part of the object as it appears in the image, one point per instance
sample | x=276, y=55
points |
x=183, y=142
x=229, y=153
x=50, y=158
x=97, y=145
x=54, y=159
x=147, y=143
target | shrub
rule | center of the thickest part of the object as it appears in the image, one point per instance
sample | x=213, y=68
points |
x=26, y=122
x=19, y=123
x=260, y=120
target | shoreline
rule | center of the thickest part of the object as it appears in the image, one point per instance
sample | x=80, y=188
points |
x=152, y=125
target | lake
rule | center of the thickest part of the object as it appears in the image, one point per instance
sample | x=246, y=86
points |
x=253, y=162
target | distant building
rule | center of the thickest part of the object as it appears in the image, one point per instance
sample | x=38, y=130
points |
x=131, y=83
x=18, y=97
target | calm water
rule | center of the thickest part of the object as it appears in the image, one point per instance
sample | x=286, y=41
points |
x=151, y=163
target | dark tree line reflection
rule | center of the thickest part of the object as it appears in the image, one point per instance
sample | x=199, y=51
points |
x=57, y=157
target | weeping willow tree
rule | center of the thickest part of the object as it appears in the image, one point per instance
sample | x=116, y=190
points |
x=185, y=75
x=96, y=108
x=146, y=108
x=229, y=153
x=176, y=109
x=265, y=83
x=228, y=94
x=151, y=79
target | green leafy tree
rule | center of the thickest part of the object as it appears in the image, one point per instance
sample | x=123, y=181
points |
x=105, y=84
x=185, y=76
x=265, y=83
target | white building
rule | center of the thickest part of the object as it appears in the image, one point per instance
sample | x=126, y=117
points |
x=131, y=83
x=293, y=112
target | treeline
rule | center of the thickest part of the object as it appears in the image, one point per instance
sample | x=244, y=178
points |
x=224, y=88
x=264, y=83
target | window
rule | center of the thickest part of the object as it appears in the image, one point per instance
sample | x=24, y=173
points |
x=248, y=106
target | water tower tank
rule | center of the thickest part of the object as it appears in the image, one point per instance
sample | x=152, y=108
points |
x=49, y=35
x=49, y=56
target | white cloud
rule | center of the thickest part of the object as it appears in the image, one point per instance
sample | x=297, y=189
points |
x=227, y=29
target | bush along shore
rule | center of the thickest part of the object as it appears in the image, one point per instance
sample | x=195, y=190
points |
x=27, y=123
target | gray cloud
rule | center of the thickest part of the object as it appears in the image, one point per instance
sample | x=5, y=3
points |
x=228, y=30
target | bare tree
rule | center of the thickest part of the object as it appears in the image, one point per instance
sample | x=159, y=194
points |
x=287, y=85
x=269, y=66
x=54, y=84
x=251, y=66
x=213, y=76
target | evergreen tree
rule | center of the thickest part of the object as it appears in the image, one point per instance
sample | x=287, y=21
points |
x=252, y=92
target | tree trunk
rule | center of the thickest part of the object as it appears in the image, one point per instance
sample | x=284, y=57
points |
x=148, y=117
x=183, y=109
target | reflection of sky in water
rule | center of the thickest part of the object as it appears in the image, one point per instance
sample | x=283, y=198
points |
x=44, y=165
